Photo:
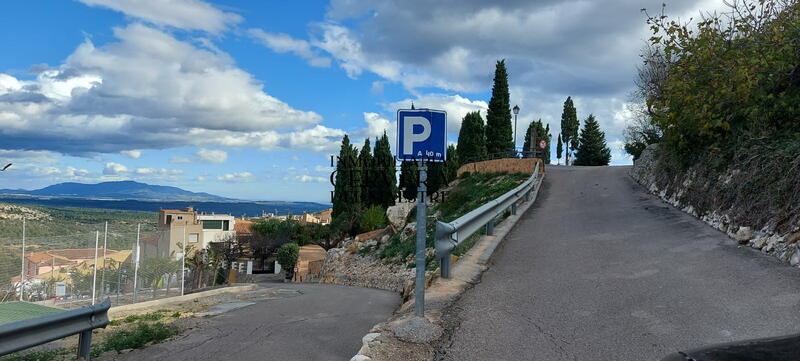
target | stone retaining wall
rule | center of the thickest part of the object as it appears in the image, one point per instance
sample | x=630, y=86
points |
x=648, y=171
x=506, y=165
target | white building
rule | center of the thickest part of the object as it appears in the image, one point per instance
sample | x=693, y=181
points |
x=216, y=227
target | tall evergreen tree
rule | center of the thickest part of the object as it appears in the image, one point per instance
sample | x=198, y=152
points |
x=365, y=168
x=499, y=136
x=409, y=179
x=559, y=149
x=383, y=183
x=452, y=163
x=542, y=132
x=569, y=127
x=347, y=191
x=592, y=148
x=437, y=178
x=471, y=137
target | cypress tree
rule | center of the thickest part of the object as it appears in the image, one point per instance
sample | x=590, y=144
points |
x=471, y=138
x=365, y=168
x=569, y=127
x=437, y=178
x=542, y=132
x=383, y=183
x=347, y=191
x=549, y=143
x=452, y=164
x=592, y=148
x=409, y=179
x=559, y=149
x=499, y=137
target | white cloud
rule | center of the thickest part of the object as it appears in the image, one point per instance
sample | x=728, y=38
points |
x=112, y=168
x=308, y=179
x=146, y=91
x=236, y=177
x=132, y=153
x=183, y=14
x=212, y=156
x=285, y=43
x=158, y=171
x=179, y=160
x=75, y=172
x=456, y=107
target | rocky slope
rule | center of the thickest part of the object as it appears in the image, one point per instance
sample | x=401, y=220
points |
x=752, y=205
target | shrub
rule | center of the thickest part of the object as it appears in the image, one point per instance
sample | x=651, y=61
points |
x=374, y=218
x=138, y=337
x=287, y=256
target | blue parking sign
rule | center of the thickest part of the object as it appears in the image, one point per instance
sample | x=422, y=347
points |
x=422, y=135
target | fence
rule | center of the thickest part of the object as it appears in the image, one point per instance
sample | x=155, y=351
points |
x=124, y=261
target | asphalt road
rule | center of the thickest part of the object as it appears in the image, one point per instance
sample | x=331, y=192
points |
x=600, y=270
x=304, y=322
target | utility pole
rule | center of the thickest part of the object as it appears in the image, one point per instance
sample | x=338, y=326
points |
x=183, y=261
x=103, y=275
x=94, y=276
x=22, y=272
x=136, y=265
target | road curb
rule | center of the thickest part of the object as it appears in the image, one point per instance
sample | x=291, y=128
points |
x=382, y=344
x=124, y=310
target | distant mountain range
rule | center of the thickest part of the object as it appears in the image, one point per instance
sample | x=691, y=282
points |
x=118, y=190
x=130, y=195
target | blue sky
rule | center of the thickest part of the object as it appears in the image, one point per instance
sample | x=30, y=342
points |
x=248, y=99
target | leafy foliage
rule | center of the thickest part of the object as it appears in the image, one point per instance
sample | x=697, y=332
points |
x=499, y=136
x=374, y=218
x=471, y=137
x=734, y=76
x=559, y=148
x=287, y=256
x=409, y=179
x=347, y=191
x=592, y=149
x=382, y=183
x=542, y=132
x=569, y=128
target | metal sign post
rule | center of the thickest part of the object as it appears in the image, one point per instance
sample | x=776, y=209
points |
x=421, y=137
x=422, y=218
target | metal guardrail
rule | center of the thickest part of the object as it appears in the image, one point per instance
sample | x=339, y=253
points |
x=450, y=235
x=24, y=334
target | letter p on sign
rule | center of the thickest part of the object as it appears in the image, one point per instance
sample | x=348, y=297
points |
x=422, y=135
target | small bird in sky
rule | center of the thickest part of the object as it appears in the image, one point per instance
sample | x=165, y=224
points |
x=6, y=167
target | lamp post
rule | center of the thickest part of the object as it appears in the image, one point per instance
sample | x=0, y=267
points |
x=516, y=111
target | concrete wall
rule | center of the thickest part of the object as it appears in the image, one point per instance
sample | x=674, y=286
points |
x=507, y=165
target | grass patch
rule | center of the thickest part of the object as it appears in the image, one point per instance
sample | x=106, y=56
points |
x=152, y=316
x=475, y=190
x=139, y=336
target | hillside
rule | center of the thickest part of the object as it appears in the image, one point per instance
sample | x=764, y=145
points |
x=119, y=190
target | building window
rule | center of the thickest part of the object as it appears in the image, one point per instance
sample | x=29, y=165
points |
x=194, y=237
x=226, y=225
x=169, y=219
x=180, y=217
x=212, y=224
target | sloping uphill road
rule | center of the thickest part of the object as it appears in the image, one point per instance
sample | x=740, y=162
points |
x=303, y=322
x=600, y=270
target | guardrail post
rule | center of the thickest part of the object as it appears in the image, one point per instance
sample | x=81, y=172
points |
x=514, y=208
x=85, y=345
x=490, y=227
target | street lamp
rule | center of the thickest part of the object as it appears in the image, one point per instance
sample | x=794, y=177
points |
x=516, y=111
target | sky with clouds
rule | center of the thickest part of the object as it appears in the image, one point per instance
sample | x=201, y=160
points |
x=247, y=99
